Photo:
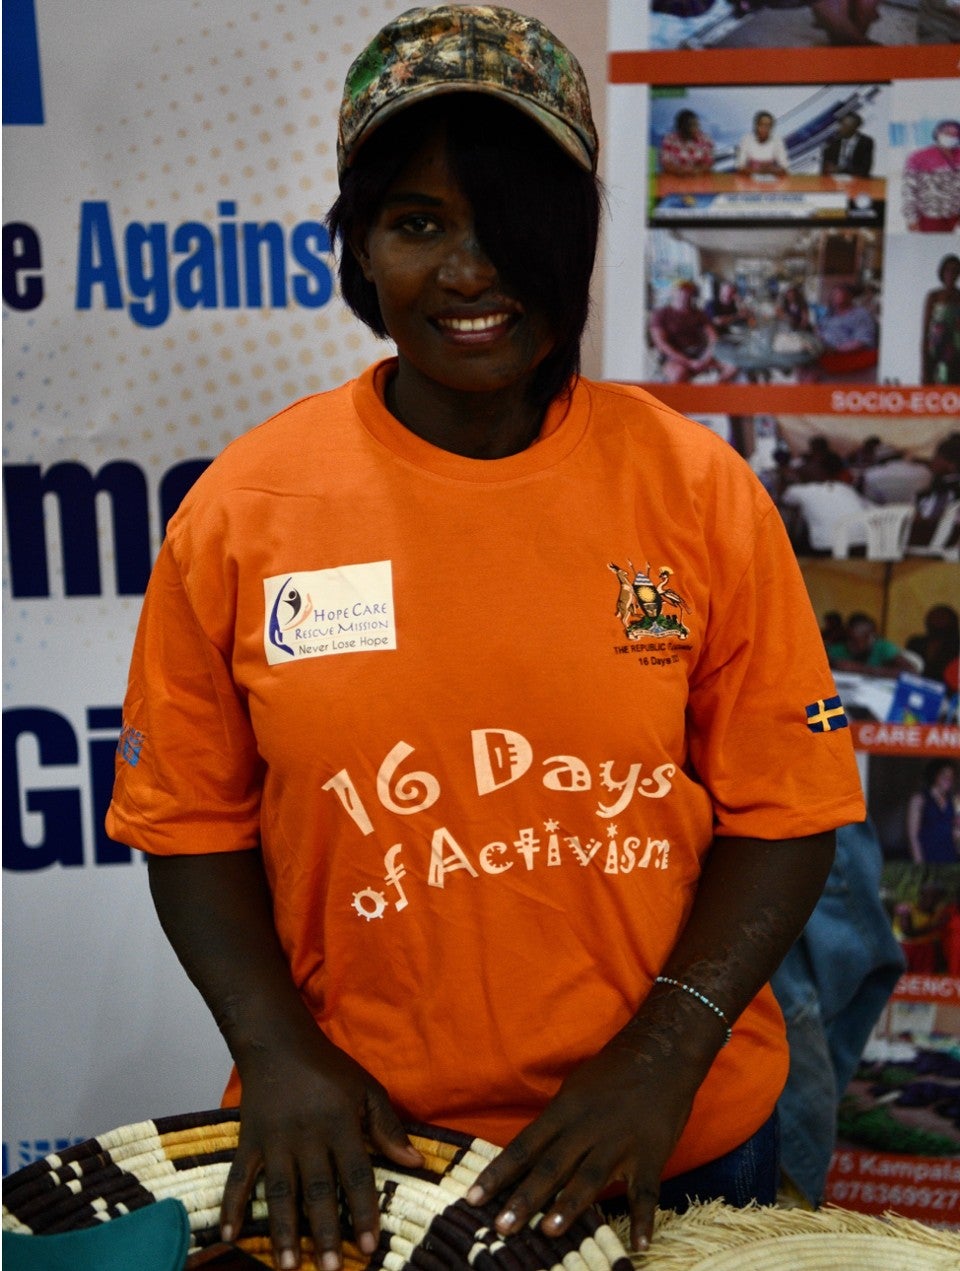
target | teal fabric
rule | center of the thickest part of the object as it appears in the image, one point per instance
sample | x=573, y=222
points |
x=154, y=1238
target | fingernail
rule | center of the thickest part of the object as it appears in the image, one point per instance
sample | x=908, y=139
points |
x=641, y=1244
x=288, y=1260
x=506, y=1219
x=330, y=1261
x=552, y=1222
x=226, y=1232
x=475, y=1195
x=367, y=1241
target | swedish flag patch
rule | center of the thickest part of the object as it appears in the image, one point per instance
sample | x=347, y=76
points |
x=826, y=715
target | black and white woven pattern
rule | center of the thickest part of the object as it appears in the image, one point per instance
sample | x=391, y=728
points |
x=425, y=1221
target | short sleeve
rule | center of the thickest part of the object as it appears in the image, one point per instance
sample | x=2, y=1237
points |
x=768, y=736
x=188, y=775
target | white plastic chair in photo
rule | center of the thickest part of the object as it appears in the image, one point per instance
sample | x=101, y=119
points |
x=887, y=530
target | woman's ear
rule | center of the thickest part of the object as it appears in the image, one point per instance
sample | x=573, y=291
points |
x=358, y=245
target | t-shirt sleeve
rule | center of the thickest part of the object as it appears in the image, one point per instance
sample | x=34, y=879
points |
x=188, y=775
x=768, y=735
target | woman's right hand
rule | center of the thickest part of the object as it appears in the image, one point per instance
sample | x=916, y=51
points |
x=307, y=1123
x=309, y=1114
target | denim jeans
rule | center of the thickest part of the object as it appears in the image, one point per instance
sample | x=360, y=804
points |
x=750, y=1172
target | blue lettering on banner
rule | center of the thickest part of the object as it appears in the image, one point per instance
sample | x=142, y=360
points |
x=150, y=268
x=22, y=266
x=26, y=1151
x=44, y=824
x=22, y=87
x=75, y=490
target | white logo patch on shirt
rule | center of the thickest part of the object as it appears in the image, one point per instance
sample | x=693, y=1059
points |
x=314, y=613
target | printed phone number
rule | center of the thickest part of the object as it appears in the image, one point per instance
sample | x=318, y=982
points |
x=893, y=1194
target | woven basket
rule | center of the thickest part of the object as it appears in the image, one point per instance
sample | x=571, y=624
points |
x=717, y=1237
x=425, y=1222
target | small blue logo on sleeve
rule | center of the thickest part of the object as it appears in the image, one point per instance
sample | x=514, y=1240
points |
x=129, y=745
x=826, y=715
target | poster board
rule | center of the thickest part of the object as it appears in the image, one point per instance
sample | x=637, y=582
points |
x=762, y=254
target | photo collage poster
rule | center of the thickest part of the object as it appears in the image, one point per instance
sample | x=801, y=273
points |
x=783, y=264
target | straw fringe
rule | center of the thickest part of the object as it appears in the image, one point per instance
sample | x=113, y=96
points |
x=698, y=1239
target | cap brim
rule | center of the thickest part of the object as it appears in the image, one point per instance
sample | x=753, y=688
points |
x=567, y=137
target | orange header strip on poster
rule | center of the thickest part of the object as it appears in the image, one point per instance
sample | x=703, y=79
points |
x=795, y=66
x=877, y=738
x=926, y=988
x=903, y=401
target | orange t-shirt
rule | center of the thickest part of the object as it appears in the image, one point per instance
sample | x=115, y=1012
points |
x=485, y=718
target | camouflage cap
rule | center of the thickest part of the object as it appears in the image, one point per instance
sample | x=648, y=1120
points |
x=466, y=48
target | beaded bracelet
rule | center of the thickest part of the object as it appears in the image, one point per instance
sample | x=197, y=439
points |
x=679, y=984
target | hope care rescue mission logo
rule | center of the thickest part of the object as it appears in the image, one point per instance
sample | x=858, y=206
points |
x=316, y=613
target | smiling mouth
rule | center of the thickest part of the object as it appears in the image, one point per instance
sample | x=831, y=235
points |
x=472, y=326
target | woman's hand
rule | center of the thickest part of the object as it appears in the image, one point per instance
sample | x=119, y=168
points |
x=619, y=1114
x=309, y=1112
x=616, y=1117
x=308, y=1122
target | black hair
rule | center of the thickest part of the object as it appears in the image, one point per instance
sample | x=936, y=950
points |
x=950, y=259
x=683, y=119
x=536, y=211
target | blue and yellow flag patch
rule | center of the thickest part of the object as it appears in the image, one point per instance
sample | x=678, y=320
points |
x=826, y=715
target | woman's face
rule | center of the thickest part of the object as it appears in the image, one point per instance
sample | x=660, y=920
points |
x=943, y=780
x=763, y=127
x=443, y=303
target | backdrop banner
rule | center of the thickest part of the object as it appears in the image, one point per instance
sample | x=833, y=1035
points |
x=167, y=285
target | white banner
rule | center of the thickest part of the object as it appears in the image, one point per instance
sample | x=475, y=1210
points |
x=167, y=284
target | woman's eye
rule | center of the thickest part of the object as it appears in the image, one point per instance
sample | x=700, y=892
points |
x=419, y=224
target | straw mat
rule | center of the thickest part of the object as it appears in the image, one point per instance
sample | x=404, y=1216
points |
x=717, y=1237
x=426, y=1225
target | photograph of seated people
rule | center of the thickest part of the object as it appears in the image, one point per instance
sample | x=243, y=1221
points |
x=827, y=143
x=731, y=24
x=685, y=339
x=760, y=152
x=849, y=152
x=782, y=319
x=864, y=651
x=851, y=490
x=686, y=150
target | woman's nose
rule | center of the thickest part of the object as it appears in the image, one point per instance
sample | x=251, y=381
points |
x=466, y=267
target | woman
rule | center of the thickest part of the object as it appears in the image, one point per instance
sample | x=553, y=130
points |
x=940, y=347
x=930, y=187
x=687, y=150
x=933, y=816
x=759, y=152
x=429, y=795
x=793, y=310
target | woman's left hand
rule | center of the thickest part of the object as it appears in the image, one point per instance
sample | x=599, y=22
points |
x=616, y=1117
